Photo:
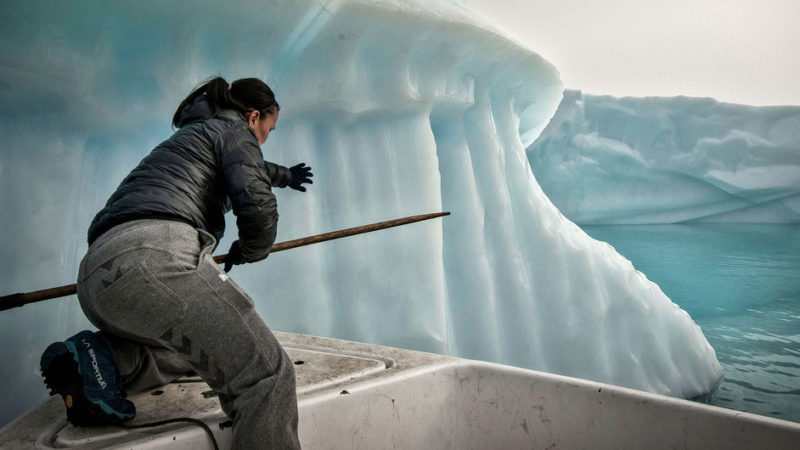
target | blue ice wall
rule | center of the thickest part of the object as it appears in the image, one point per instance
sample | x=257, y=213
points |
x=607, y=160
x=401, y=107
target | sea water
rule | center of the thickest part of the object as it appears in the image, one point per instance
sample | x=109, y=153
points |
x=741, y=284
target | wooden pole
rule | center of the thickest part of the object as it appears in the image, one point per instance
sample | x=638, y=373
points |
x=24, y=298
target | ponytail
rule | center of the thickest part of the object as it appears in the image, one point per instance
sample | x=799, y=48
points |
x=243, y=95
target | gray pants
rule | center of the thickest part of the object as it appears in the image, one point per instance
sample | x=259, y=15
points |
x=166, y=308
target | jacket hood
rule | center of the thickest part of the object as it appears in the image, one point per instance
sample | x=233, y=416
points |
x=200, y=109
x=197, y=110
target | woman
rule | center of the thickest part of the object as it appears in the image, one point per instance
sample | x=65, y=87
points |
x=149, y=283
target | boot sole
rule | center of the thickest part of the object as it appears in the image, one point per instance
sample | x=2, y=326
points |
x=62, y=376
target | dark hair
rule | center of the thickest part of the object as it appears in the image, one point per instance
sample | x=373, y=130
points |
x=244, y=95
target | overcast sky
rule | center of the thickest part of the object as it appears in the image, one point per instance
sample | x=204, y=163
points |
x=739, y=51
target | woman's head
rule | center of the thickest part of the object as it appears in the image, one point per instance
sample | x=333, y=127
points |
x=262, y=124
x=249, y=96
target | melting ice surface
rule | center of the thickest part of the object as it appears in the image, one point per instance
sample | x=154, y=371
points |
x=401, y=107
x=606, y=160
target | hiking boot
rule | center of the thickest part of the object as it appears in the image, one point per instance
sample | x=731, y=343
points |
x=82, y=371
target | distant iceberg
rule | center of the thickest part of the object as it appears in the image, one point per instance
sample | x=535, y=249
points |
x=401, y=107
x=607, y=160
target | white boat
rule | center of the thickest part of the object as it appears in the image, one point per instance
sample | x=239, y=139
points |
x=355, y=395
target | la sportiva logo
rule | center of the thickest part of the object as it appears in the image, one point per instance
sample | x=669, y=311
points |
x=95, y=366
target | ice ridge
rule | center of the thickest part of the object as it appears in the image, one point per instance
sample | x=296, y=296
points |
x=607, y=160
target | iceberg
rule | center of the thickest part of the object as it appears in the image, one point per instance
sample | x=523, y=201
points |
x=401, y=107
x=607, y=160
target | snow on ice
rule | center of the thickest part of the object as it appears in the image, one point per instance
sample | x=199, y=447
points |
x=606, y=160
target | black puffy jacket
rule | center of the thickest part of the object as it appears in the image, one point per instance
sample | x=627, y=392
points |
x=208, y=167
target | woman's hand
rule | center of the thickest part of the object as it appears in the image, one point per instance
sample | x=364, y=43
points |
x=300, y=174
x=234, y=256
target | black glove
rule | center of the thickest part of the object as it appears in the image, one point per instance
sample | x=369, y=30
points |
x=234, y=257
x=300, y=174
